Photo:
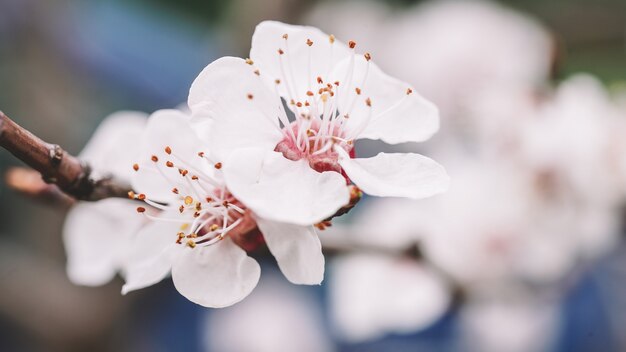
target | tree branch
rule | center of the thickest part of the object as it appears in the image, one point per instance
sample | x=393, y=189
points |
x=55, y=165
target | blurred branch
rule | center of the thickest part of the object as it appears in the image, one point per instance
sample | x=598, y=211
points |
x=54, y=164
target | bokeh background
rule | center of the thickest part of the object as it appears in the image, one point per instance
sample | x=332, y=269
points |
x=65, y=65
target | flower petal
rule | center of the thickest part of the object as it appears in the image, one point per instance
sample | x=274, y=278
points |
x=279, y=189
x=398, y=113
x=113, y=147
x=215, y=276
x=95, y=234
x=396, y=175
x=167, y=128
x=297, y=250
x=151, y=253
x=243, y=110
x=301, y=63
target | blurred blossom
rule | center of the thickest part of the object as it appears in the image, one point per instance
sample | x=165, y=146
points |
x=277, y=317
x=372, y=295
x=452, y=51
x=97, y=234
x=513, y=323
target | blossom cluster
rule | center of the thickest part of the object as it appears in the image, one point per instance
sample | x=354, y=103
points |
x=265, y=153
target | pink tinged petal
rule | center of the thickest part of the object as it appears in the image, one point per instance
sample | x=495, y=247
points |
x=215, y=276
x=167, y=128
x=396, y=175
x=114, y=146
x=243, y=110
x=95, y=235
x=301, y=63
x=151, y=253
x=297, y=250
x=283, y=190
x=398, y=113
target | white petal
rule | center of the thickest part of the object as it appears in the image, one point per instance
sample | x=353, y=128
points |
x=215, y=276
x=95, y=234
x=167, y=128
x=297, y=250
x=396, y=175
x=302, y=64
x=151, y=253
x=279, y=189
x=113, y=147
x=244, y=111
x=396, y=116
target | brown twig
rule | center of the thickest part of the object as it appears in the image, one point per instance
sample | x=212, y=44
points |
x=55, y=165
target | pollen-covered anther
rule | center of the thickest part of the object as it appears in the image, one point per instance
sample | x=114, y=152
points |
x=306, y=103
x=299, y=104
x=319, y=80
x=141, y=210
x=368, y=102
x=249, y=61
x=168, y=150
x=131, y=195
x=183, y=172
x=198, y=206
x=367, y=56
x=191, y=244
x=188, y=200
x=250, y=96
x=280, y=51
x=309, y=42
x=352, y=44
x=192, y=235
x=285, y=36
x=218, y=165
x=169, y=164
x=175, y=190
x=136, y=167
x=310, y=133
x=409, y=91
x=213, y=227
x=331, y=38
x=154, y=158
x=309, y=93
x=357, y=90
x=141, y=196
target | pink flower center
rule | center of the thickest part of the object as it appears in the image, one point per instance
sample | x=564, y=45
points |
x=316, y=143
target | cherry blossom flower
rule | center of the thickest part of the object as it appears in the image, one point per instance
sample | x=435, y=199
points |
x=292, y=164
x=192, y=216
x=97, y=233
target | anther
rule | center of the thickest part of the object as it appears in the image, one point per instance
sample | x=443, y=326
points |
x=309, y=93
x=277, y=81
x=249, y=61
x=131, y=195
x=285, y=36
x=136, y=167
x=352, y=44
x=194, y=177
x=198, y=206
x=250, y=96
x=181, y=209
x=201, y=154
x=196, y=214
x=331, y=38
x=358, y=90
x=299, y=104
x=257, y=72
x=188, y=200
x=409, y=91
x=168, y=150
x=309, y=42
x=368, y=102
x=191, y=244
x=280, y=51
x=154, y=158
x=141, y=196
x=213, y=227
x=169, y=164
x=175, y=190
x=368, y=56
x=337, y=83
x=218, y=165
x=183, y=172
x=141, y=210
x=319, y=80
